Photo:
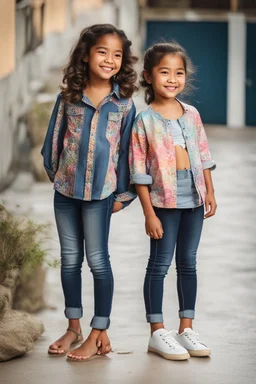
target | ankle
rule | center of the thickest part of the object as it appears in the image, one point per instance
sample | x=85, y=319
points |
x=185, y=323
x=75, y=325
x=155, y=326
x=94, y=334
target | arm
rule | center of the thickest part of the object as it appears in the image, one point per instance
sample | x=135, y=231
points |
x=153, y=225
x=205, y=154
x=208, y=165
x=53, y=143
x=125, y=192
x=210, y=202
x=140, y=177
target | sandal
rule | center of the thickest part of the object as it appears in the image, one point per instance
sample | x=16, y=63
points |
x=79, y=338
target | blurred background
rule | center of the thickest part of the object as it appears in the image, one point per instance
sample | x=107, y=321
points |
x=35, y=38
x=37, y=35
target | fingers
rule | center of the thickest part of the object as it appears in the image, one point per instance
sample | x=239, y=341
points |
x=117, y=207
x=211, y=210
x=104, y=350
x=156, y=234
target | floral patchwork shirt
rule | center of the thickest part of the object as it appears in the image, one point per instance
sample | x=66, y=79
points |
x=86, y=148
x=152, y=154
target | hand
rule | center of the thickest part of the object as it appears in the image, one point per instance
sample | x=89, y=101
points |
x=117, y=207
x=103, y=344
x=210, y=205
x=154, y=227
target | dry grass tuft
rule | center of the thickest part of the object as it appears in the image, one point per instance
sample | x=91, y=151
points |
x=20, y=244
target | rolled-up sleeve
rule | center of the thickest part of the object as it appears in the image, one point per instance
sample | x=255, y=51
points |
x=125, y=192
x=205, y=154
x=138, y=154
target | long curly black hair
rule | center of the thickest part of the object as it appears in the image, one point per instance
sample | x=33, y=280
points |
x=152, y=58
x=76, y=71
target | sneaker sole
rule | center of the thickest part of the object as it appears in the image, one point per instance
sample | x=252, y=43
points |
x=184, y=356
x=203, y=353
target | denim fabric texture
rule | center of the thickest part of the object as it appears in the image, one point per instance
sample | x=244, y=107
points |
x=182, y=229
x=83, y=227
x=86, y=148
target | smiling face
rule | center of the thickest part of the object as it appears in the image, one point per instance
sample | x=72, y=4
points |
x=105, y=58
x=168, y=77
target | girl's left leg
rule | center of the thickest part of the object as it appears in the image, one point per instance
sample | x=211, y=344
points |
x=96, y=223
x=190, y=230
x=186, y=250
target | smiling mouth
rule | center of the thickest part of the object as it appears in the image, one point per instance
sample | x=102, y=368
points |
x=107, y=69
x=171, y=89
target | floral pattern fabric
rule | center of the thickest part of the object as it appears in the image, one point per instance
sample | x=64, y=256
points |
x=152, y=154
x=86, y=148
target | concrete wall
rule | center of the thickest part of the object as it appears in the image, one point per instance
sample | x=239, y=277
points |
x=7, y=35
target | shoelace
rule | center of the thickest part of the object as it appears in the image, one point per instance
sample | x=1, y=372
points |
x=193, y=337
x=168, y=338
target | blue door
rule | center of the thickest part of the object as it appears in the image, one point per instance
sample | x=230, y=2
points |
x=206, y=44
x=251, y=75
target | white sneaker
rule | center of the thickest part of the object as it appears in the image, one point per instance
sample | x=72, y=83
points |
x=189, y=339
x=162, y=343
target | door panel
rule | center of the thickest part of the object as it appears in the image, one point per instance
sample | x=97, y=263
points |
x=206, y=44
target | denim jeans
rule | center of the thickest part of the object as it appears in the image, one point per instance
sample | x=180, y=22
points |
x=182, y=228
x=84, y=226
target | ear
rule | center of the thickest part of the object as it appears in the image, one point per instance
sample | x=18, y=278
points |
x=85, y=60
x=147, y=77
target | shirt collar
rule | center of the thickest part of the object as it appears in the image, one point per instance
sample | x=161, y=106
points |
x=185, y=107
x=115, y=90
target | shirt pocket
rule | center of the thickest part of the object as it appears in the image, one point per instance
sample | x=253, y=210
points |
x=114, y=127
x=75, y=118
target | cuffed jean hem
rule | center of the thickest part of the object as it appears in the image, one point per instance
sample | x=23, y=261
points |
x=155, y=318
x=99, y=322
x=73, y=313
x=188, y=313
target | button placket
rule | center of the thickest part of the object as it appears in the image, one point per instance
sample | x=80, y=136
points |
x=90, y=156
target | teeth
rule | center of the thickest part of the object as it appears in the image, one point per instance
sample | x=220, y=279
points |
x=107, y=69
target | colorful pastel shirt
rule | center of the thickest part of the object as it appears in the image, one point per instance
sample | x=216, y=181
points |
x=86, y=148
x=152, y=154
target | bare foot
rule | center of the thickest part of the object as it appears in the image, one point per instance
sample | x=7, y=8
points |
x=85, y=351
x=62, y=345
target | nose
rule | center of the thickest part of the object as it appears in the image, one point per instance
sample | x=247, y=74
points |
x=108, y=59
x=171, y=78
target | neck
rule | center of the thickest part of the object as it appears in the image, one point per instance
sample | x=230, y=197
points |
x=164, y=102
x=98, y=84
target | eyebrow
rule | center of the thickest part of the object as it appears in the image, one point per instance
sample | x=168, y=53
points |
x=102, y=47
x=178, y=69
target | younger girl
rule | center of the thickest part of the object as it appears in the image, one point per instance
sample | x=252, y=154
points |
x=171, y=166
x=86, y=157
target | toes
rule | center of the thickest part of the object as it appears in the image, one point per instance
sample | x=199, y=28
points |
x=53, y=347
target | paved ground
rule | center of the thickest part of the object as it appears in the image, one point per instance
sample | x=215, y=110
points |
x=226, y=310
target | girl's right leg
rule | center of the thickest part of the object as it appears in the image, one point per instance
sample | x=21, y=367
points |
x=161, y=254
x=68, y=215
x=96, y=221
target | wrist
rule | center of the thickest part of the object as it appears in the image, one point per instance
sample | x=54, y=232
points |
x=149, y=214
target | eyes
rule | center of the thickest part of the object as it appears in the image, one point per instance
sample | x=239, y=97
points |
x=103, y=53
x=179, y=73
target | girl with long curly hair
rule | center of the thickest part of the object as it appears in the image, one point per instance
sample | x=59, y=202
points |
x=86, y=157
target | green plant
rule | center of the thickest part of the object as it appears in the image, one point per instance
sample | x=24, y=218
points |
x=20, y=243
